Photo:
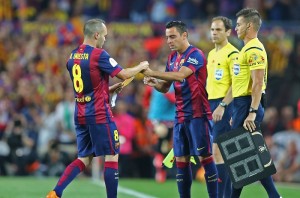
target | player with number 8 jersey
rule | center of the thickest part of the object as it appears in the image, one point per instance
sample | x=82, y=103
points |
x=89, y=67
x=90, y=76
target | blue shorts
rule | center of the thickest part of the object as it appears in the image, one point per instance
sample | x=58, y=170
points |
x=223, y=125
x=241, y=106
x=97, y=139
x=192, y=137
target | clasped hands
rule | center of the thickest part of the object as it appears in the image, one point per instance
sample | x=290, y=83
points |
x=148, y=80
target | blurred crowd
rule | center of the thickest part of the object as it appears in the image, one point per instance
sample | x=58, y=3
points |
x=37, y=134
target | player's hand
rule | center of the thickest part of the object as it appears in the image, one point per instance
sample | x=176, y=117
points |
x=249, y=122
x=218, y=113
x=147, y=72
x=116, y=88
x=150, y=81
x=144, y=65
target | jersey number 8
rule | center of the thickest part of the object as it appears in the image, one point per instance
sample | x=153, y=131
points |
x=77, y=80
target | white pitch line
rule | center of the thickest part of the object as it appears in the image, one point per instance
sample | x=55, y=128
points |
x=126, y=190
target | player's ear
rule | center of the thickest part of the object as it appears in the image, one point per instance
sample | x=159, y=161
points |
x=96, y=35
x=185, y=35
x=248, y=26
x=228, y=32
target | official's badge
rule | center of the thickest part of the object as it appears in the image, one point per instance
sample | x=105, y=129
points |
x=236, y=69
x=219, y=74
x=253, y=59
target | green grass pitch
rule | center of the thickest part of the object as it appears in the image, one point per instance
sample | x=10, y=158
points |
x=31, y=187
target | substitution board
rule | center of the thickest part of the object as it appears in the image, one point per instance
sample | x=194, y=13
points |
x=246, y=156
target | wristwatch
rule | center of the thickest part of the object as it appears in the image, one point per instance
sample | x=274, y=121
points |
x=252, y=110
x=223, y=104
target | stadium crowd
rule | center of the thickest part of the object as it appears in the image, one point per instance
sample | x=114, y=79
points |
x=37, y=135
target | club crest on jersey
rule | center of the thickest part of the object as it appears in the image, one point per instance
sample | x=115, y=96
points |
x=219, y=74
x=177, y=67
x=192, y=61
x=181, y=62
x=236, y=69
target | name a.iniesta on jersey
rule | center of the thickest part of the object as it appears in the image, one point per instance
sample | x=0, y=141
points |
x=80, y=56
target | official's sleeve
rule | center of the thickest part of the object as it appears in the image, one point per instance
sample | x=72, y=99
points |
x=195, y=61
x=108, y=64
x=256, y=59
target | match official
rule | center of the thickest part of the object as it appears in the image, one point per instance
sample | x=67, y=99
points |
x=249, y=82
x=220, y=62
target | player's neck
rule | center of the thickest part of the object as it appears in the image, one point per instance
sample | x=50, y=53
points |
x=183, y=49
x=89, y=42
x=249, y=37
x=219, y=46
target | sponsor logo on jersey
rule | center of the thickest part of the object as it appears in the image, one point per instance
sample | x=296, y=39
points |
x=256, y=60
x=192, y=61
x=117, y=145
x=83, y=99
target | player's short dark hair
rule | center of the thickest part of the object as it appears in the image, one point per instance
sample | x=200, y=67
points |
x=226, y=21
x=92, y=26
x=179, y=25
x=251, y=15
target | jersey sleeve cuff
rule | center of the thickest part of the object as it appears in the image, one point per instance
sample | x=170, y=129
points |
x=115, y=72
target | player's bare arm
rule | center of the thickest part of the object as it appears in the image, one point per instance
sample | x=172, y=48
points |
x=183, y=73
x=160, y=85
x=257, y=84
x=129, y=72
x=115, y=88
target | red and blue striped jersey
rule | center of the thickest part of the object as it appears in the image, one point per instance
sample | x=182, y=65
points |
x=191, y=95
x=89, y=70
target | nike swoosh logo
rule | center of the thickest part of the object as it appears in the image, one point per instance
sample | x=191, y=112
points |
x=116, y=173
x=178, y=174
x=198, y=149
x=211, y=176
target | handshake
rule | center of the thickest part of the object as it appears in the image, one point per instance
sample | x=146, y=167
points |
x=144, y=68
x=148, y=79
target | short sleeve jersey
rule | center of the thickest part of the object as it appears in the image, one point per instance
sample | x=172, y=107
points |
x=89, y=69
x=252, y=56
x=219, y=70
x=191, y=96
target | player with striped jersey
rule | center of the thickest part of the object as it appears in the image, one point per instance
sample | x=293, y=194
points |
x=186, y=68
x=90, y=67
